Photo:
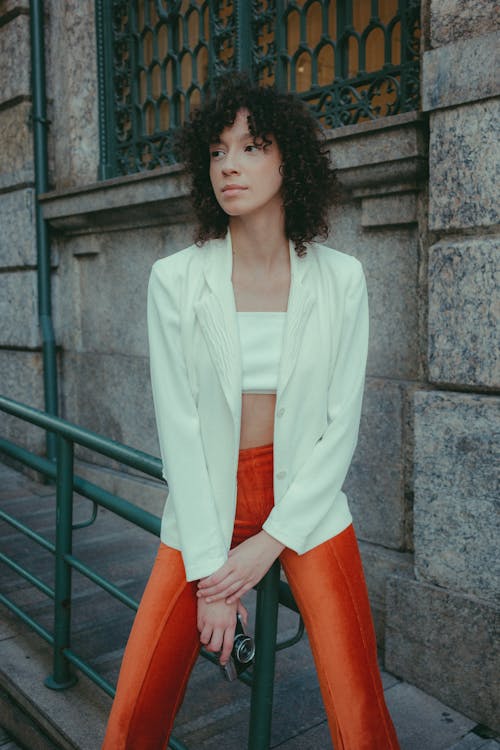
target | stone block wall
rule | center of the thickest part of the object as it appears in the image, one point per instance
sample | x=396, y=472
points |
x=442, y=627
x=20, y=357
x=72, y=92
x=463, y=338
x=105, y=384
x=420, y=211
x=457, y=495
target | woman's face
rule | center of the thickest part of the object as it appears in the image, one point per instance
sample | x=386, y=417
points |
x=245, y=177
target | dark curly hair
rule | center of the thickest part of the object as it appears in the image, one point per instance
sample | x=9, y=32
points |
x=309, y=184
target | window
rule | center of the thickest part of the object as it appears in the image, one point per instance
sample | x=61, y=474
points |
x=350, y=60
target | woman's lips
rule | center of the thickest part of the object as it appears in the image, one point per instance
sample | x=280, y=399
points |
x=230, y=190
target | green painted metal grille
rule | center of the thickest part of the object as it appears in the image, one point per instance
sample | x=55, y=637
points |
x=350, y=60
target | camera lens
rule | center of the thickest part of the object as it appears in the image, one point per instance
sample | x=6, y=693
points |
x=244, y=648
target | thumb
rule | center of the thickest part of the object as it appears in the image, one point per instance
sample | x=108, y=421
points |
x=242, y=611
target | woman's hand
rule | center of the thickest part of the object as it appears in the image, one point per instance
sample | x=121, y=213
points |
x=216, y=624
x=246, y=565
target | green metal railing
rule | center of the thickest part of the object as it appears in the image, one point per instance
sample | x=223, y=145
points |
x=349, y=61
x=270, y=592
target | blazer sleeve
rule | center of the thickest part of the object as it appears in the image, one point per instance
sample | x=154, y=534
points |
x=184, y=466
x=319, y=480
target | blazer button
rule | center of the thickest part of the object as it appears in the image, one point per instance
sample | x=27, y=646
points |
x=280, y=412
x=281, y=475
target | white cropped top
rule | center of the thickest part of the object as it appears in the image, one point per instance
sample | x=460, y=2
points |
x=261, y=342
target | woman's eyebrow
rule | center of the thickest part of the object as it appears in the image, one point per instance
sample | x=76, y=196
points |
x=243, y=137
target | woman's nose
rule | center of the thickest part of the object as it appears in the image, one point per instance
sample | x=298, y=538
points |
x=230, y=164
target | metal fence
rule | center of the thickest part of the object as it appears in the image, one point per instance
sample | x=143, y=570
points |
x=350, y=60
x=270, y=592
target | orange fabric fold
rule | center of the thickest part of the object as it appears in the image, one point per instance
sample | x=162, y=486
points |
x=329, y=587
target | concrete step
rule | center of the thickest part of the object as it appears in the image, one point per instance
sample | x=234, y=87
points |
x=39, y=718
x=20, y=728
x=215, y=713
x=6, y=741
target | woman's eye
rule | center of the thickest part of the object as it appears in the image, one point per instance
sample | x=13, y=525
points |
x=251, y=147
x=215, y=152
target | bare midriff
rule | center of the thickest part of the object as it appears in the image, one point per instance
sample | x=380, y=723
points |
x=257, y=419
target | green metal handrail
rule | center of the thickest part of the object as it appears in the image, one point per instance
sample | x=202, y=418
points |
x=270, y=592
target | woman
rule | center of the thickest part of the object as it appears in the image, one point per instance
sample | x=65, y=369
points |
x=258, y=340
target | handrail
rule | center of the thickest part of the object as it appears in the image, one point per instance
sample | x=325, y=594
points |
x=270, y=592
x=112, y=448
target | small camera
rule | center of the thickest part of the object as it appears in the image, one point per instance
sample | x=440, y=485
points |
x=242, y=654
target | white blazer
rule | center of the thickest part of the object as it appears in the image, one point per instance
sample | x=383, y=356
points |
x=196, y=379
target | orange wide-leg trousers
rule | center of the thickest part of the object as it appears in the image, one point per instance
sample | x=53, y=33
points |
x=329, y=587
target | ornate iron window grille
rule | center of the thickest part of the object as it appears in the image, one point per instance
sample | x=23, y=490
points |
x=350, y=60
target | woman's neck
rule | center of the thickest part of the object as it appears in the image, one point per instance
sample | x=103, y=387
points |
x=261, y=265
x=259, y=241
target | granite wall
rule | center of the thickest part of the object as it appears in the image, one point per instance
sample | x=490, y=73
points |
x=443, y=627
x=420, y=212
x=20, y=358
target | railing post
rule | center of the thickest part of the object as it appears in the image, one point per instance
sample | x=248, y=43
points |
x=62, y=677
x=105, y=90
x=280, y=41
x=266, y=625
x=243, y=37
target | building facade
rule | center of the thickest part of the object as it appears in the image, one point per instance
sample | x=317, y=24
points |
x=419, y=168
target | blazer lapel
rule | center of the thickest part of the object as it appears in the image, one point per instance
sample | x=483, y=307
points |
x=216, y=313
x=300, y=304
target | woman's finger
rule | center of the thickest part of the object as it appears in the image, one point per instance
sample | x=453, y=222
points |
x=243, y=612
x=216, y=588
x=205, y=634
x=221, y=592
x=227, y=645
x=216, y=640
x=220, y=575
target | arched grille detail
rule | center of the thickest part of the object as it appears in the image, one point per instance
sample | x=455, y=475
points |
x=350, y=60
